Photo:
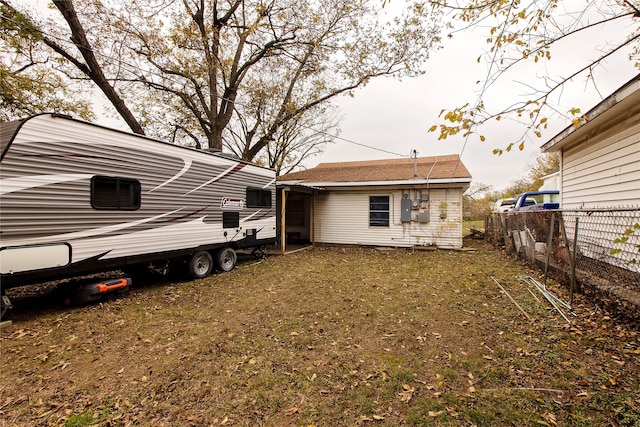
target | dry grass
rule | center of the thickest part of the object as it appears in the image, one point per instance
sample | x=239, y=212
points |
x=326, y=337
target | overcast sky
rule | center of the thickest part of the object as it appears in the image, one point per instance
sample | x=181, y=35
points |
x=394, y=116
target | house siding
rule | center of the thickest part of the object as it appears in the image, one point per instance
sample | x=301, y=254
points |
x=342, y=217
x=603, y=171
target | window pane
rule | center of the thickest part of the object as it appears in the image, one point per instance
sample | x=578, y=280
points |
x=115, y=193
x=258, y=198
x=379, y=211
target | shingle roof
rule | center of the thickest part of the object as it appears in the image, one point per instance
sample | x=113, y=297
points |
x=446, y=167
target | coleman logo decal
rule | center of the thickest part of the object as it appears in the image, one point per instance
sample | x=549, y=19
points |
x=231, y=204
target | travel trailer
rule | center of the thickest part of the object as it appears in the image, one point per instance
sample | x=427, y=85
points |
x=78, y=198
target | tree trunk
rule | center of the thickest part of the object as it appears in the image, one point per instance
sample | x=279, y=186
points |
x=93, y=69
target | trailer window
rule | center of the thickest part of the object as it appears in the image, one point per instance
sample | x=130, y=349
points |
x=378, y=211
x=115, y=193
x=258, y=198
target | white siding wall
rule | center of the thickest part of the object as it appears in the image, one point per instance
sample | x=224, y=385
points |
x=342, y=217
x=603, y=171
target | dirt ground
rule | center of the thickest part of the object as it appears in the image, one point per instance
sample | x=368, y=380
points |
x=324, y=337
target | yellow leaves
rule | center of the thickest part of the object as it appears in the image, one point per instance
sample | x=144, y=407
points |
x=462, y=118
x=454, y=116
x=577, y=121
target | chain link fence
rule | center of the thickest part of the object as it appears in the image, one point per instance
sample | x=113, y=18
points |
x=595, y=251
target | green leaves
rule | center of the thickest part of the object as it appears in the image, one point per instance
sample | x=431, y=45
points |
x=623, y=240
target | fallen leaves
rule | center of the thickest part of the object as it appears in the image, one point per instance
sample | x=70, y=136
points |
x=364, y=418
x=363, y=345
x=407, y=393
x=291, y=411
x=60, y=365
x=549, y=419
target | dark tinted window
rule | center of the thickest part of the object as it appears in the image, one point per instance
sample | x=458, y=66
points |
x=258, y=198
x=115, y=193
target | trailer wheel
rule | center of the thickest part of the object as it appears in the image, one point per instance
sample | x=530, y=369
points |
x=200, y=265
x=226, y=259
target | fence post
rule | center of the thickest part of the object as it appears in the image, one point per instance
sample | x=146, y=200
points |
x=569, y=259
x=549, y=243
x=573, y=261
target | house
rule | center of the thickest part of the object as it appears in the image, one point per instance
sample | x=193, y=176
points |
x=600, y=160
x=600, y=178
x=395, y=202
x=550, y=182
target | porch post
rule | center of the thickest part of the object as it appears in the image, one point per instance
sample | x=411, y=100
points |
x=313, y=218
x=283, y=211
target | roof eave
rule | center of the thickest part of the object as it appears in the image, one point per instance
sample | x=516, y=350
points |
x=324, y=184
x=597, y=116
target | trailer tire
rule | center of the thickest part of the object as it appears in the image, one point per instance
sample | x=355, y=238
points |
x=226, y=259
x=200, y=265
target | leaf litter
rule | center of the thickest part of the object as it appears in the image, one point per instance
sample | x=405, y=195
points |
x=333, y=336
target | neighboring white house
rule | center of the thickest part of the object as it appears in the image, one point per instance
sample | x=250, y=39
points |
x=550, y=182
x=600, y=176
x=396, y=202
x=600, y=159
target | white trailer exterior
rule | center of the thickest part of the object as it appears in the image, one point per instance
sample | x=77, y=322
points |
x=78, y=198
